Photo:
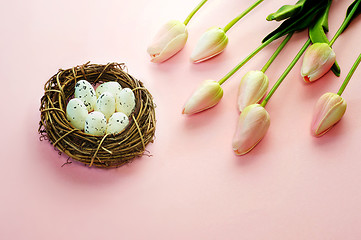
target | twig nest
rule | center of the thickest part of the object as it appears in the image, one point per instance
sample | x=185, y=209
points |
x=84, y=137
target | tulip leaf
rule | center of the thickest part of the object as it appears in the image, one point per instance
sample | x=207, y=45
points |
x=286, y=11
x=358, y=11
x=318, y=32
x=303, y=19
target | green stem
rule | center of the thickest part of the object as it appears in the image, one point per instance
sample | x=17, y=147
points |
x=284, y=74
x=234, y=21
x=349, y=75
x=244, y=61
x=194, y=11
x=344, y=24
x=275, y=54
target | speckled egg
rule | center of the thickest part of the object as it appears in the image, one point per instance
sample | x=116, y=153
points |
x=105, y=104
x=117, y=123
x=95, y=124
x=76, y=113
x=85, y=92
x=125, y=101
x=112, y=87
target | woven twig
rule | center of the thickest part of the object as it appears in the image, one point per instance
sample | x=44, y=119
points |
x=100, y=151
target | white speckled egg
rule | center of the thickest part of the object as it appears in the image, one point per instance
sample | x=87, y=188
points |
x=76, y=113
x=112, y=87
x=117, y=123
x=85, y=91
x=95, y=124
x=105, y=104
x=125, y=101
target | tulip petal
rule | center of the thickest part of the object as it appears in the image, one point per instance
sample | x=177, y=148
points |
x=211, y=43
x=170, y=39
x=328, y=110
x=173, y=47
x=317, y=61
x=252, y=126
x=252, y=88
x=207, y=95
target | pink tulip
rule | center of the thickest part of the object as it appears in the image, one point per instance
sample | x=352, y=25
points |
x=170, y=39
x=206, y=96
x=252, y=88
x=211, y=43
x=253, y=124
x=317, y=61
x=329, y=109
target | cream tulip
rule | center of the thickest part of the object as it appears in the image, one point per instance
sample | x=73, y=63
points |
x=211, y=43
x=317, y=61
x=328, y=110
x=215, y=40
x=252, y=126
x=252, y=88
x=207, y=95
x=170, y=39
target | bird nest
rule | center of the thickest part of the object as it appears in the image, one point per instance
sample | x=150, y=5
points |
x=107, y=151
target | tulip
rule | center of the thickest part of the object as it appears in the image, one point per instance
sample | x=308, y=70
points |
x=330, y=107
x=254, y=120
x=320, y=57
x=252, y=126
x=317, y=61
x=170, y=39
x=206, y=96
x=215, y=40
x=252, y=88
x=328, y=110
x=211, y=43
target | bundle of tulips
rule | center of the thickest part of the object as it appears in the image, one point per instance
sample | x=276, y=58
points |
x=318, y=59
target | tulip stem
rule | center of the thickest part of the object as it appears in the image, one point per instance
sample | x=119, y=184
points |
x=244, y=61
x=194, y=11
x=344, y=23
x=275, y=54
x=234, y=21
x=349, y=75
x=284, y=74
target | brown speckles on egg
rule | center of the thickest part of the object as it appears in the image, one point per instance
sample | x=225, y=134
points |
x=125, y=101
x=85, y=91
x=105, y=104
x=111, y=87
x=117, y=123
x=76, y=113
x=95, y=123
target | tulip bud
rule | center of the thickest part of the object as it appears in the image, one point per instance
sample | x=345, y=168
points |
x=206, y=96
x=328, y=110
x=252, y=88
x=211, y=43
x=317, y=61
x=170, y=39
x=252, y=126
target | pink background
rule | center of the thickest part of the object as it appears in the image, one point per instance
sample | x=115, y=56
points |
x=291, y=186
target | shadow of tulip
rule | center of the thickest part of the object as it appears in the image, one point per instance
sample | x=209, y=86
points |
x=327, y=83
x=205, y=118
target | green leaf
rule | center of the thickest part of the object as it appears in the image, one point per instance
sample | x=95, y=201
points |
x=336, y=69
x=286, y=11
x=317, y=33
x=318, y=30
x=300, y=21
x=358, y=11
